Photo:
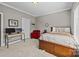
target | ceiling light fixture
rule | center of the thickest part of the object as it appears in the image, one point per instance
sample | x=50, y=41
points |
x=35, y=1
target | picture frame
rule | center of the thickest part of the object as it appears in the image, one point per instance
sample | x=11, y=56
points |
x=12, y=23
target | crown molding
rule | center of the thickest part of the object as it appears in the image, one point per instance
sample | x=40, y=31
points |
x=16, y=8
x=54, y=12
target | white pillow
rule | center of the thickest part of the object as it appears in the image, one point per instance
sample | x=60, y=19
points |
x=54, y=29
x=67, y=30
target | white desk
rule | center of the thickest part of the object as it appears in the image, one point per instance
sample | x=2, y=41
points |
x=13, y=35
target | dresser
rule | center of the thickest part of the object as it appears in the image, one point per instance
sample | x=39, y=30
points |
x=8, y=37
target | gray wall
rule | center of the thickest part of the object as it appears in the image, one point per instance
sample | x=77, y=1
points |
x=9, y=13
x=57, y=19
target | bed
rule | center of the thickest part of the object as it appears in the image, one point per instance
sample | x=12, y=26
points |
x=58, y=43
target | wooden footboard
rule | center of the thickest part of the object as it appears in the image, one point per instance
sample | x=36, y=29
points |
x=56, y=49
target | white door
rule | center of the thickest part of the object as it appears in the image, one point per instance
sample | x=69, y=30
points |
x=26, y=27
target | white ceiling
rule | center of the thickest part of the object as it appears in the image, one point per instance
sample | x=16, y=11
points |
x=41, y=8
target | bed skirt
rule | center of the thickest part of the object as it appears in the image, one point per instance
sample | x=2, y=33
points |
x=56, y=49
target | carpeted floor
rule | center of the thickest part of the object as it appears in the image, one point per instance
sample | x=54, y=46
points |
x=24, y=49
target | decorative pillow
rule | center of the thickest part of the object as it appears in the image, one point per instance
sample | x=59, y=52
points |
x=67, y=30
x=55, y=29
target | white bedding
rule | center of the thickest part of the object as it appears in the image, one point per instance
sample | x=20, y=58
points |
x=59, y=39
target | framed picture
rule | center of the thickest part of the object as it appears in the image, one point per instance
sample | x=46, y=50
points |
x=12, y=23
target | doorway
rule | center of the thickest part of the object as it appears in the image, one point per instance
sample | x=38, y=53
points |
x=26, y=27
x=1, y=29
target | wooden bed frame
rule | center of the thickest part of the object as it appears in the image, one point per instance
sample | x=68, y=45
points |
x=56, y=49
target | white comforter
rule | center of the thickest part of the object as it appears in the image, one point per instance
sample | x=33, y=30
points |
x=59, y=39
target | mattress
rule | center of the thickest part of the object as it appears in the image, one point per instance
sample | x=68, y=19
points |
x=59, y=39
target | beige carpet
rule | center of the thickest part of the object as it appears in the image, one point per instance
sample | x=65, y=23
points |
x=24, y=49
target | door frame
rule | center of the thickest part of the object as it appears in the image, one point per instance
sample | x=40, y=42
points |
x=2, y=31
x=23, y=18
